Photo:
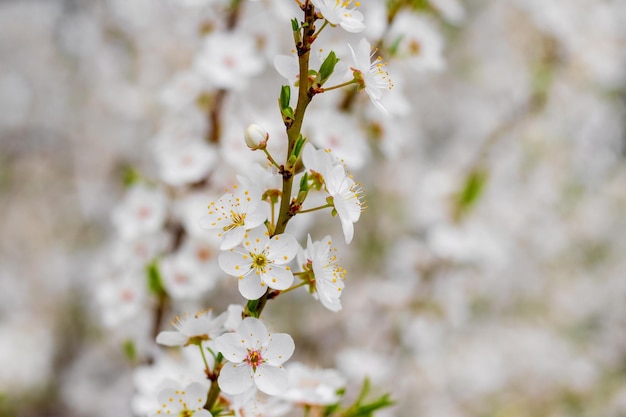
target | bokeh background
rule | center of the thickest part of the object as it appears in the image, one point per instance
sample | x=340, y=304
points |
x=487, y=276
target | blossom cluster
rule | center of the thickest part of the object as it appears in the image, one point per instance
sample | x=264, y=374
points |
x=252, y=231
x=154, y=262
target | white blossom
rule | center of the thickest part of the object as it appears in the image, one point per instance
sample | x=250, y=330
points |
x=255, y=359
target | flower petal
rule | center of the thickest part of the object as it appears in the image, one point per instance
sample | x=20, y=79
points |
x=271, y=380
x=346, y=224
x=231, y=345
x=168, y=401
x=258, y=216
x=232, y=237
x=278, y=277
x=279, y=349
x=255, y=241
x=235, y=262
x=282, y=248
x=195, y=396
x=251, y=287
x=171, y=338
x=235, y=379
x=254, y=332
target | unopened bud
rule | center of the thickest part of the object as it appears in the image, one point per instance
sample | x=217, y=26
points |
x=256, y=137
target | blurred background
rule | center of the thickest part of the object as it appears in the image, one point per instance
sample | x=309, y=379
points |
x=486, y=277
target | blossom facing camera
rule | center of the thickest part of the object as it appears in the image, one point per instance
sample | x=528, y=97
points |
x=255, y=358
x=261, y=262
x=256, y=137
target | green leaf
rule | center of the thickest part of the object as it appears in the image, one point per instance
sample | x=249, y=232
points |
x=471, y=192
x=327, y=68
x=395, y=45
x=130, y=177
x=154, y=278
x=361, y=408
x=297, y=148
x=285, y=96
x=295, y=26
x=304, y=182
x=288, y=112
x=130, y=350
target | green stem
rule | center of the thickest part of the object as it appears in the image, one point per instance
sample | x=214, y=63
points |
x=305, y=95
x=269, y=158
x=321, y=29
x=334, y=87
x=294, y=287
x=214, y=393
x=206, y=364
x=273, y=223
x=315, y=209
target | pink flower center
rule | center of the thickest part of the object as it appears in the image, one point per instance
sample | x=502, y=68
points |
x=127, y=295
x=229, y=61
x=254, y=358
x=203, y=254
x=144, y=212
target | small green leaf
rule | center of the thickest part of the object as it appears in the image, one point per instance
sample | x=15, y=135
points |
x=470, y=193
x=288, y=112
x=327, y=68
x=304, y=182
x=130, y=177
x=130, y=350
x=154, y=278
x=295, y=26
x=285, y=96
x=297, y=148
x=395, y=45
x=361, y=408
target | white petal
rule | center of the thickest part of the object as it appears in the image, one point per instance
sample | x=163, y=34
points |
x=287, y=66
x=333, y=304
x=195, y=396
x=346, y=224
x=232, y=238
x=208, y=222
x=354, y=24
x=255, y=241
x=282, y=248
x=235, y=379
x=335, y=178
x=169, y=397
x=278, y=278
x=233, y=262
x=271, y=380
x=231, y=346
x=279, y=349
x=254, y=332
x=258, y=216
x=250, y=287
x=308, y=155
x=169, y=338
x=363, y=55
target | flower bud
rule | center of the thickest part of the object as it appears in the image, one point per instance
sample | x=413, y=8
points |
x=256, y=137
